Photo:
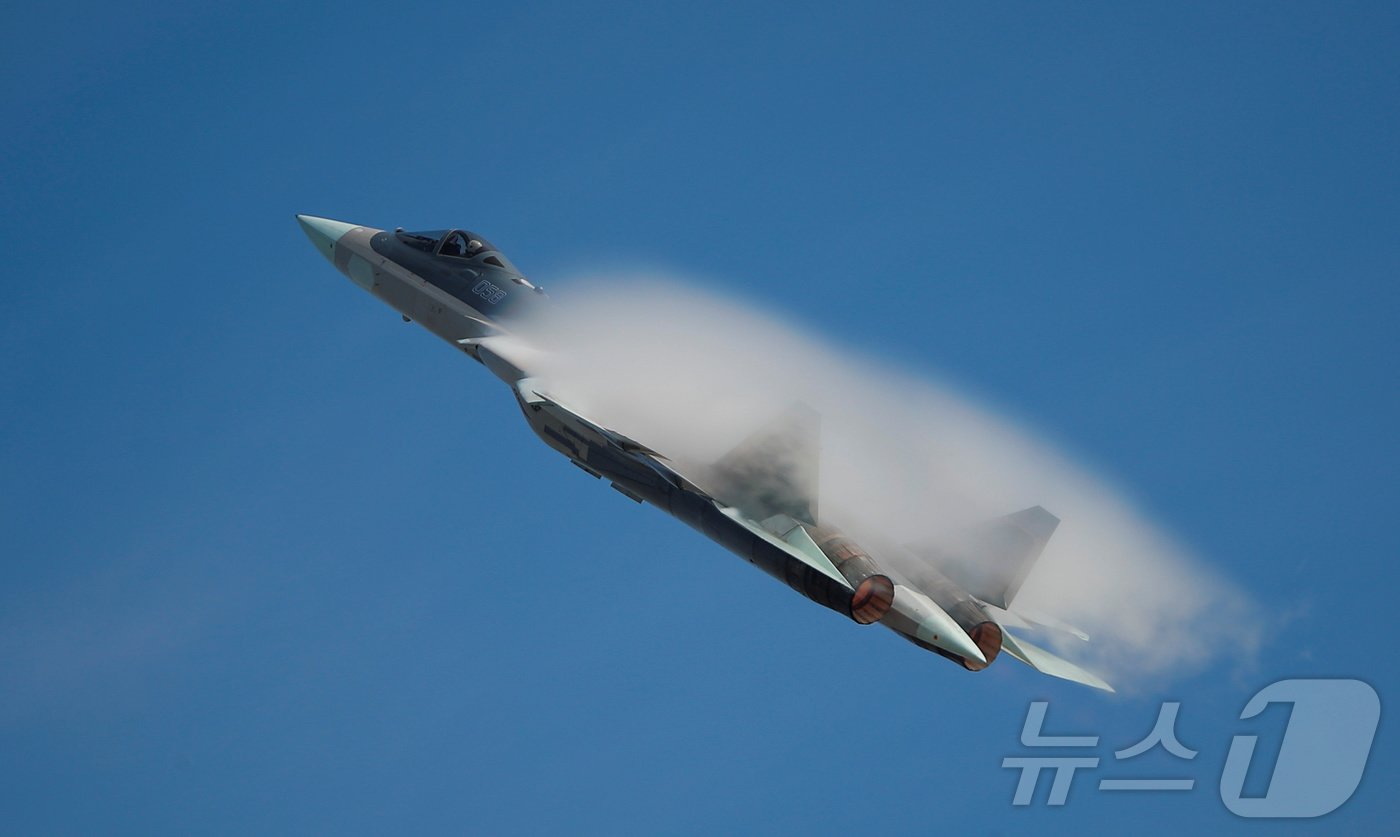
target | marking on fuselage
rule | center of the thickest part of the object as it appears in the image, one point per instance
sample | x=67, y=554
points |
x=414, y=282
x=489, y=291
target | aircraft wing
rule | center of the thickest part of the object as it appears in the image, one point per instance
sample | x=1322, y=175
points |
x=782, y=532
x=528, y=390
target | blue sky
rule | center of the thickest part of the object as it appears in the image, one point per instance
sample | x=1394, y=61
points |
x=274, y=561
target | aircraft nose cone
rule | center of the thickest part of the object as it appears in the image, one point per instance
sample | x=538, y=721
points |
x=324, y=233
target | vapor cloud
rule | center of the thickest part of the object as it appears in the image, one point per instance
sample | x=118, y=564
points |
x=904, y=458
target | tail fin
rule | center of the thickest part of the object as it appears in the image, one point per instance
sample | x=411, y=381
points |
x=992, y=560
x=775, y=470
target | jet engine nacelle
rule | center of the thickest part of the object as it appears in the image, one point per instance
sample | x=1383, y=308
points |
x=874, y=591
x=872, y=599
x=988, y=637
x=967, y=613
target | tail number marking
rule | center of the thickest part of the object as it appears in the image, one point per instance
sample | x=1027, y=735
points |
x=488, y=291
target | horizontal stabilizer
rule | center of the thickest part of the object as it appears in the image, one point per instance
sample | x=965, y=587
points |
x=1043, y=661
x=800, y=547
x=795, y=535
x=1034, y=621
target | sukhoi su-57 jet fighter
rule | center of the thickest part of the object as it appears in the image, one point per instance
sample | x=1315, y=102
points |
x=759, y=501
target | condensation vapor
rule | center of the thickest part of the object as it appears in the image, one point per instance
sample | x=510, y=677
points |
x=903, y=459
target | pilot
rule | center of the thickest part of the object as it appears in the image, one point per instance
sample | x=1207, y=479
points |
x=473, y=247
x=453, y=247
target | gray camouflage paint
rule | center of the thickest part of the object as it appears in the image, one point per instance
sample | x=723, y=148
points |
x=759, y=501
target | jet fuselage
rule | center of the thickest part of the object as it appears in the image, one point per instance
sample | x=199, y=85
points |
x=461, y=288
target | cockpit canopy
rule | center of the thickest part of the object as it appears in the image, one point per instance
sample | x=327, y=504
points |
x=456, y=244
x=460, y=250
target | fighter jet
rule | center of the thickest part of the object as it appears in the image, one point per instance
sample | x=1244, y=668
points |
x=759, y=501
